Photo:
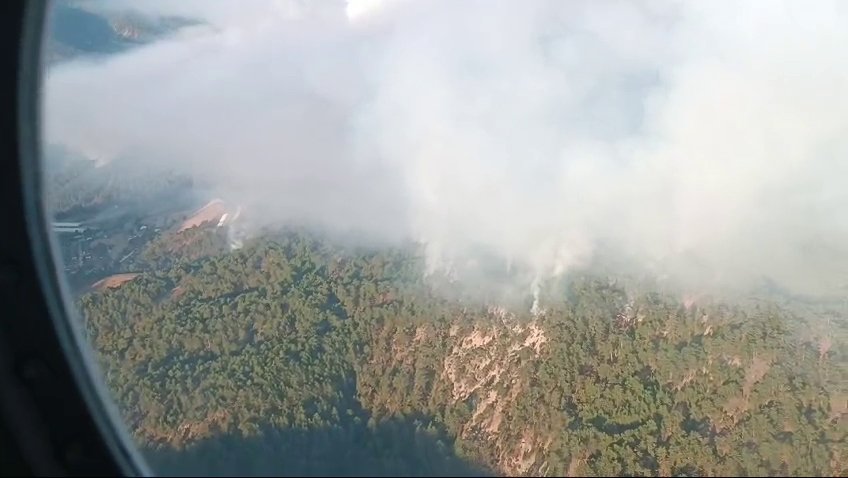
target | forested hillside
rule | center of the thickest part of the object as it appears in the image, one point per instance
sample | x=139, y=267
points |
x=74, y=29
x=294, y=355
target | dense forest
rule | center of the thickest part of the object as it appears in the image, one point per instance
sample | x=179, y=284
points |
x=297, y=355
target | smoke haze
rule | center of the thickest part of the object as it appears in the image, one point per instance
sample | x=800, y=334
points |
x=702, y=140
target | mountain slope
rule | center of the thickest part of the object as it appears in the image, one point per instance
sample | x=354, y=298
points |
x=74, y=30
x=294, y=336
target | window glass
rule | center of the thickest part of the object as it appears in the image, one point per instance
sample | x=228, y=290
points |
x=477, y=238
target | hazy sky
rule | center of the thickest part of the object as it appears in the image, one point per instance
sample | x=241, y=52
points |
x=703, y=139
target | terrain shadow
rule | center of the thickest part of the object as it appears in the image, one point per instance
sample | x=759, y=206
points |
x=394, y=447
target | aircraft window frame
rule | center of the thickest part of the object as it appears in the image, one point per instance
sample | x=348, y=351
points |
x=75, y=350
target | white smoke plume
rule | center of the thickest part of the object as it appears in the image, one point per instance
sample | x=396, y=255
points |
x=706, y=140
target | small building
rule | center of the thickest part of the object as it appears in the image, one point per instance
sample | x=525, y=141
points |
x=69, y=229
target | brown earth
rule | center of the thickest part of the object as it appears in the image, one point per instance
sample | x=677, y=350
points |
x=210, y=212
x=114, y=281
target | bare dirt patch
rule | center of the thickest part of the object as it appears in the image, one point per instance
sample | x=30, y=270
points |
x=114, y=281
x=211, y=212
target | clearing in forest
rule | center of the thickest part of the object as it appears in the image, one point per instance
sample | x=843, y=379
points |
x=213, y=211
x=113, y=281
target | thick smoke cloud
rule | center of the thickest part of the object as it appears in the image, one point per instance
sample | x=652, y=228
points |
x=703, y=140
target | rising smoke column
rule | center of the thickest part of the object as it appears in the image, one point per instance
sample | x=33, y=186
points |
x=704, y=141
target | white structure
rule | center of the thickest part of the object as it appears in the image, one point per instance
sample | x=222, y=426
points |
x=59, y=228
